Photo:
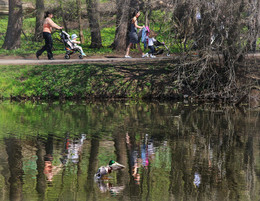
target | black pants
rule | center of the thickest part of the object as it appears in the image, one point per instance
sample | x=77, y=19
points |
x=48, y=45
x=152, y=50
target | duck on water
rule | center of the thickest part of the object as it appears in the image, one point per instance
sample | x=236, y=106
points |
x=104, y=170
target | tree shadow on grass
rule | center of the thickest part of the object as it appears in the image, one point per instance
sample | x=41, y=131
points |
x=140, y=80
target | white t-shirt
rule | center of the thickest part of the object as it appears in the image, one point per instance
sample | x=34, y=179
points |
x=150, y=41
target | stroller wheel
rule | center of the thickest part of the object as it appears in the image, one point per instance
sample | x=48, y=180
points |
x=80, y=56
x=67, y=56
x=168, y=55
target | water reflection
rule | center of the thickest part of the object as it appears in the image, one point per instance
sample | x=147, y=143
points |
x=140, y=155
x=170, y=151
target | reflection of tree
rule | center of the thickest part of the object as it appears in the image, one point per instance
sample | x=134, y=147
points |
x=121, y=153
x=179, y=173
x=92, y=168
x=134, y=189
x=41, y=181
x=218, y=144
x=14, y=151
x=249, y=163
x=5, y=173
x=211, y=144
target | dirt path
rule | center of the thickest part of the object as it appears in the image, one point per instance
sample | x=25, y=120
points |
x=8, y=60
x=16, y=60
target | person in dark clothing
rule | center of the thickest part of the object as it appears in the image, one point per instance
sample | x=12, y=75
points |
x=47, y=29
x=133, y=35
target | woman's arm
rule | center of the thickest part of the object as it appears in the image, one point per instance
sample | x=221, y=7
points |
x=136, y=25
x=52, y=24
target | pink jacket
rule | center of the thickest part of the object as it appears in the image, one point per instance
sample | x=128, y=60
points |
x=49, y=24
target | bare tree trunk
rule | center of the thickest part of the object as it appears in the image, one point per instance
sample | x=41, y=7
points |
x=15, y=23
x=148, y=12
x=63, y=16
x=80, y=22
x=122, y=19
x=94, y=17
x=39, y=20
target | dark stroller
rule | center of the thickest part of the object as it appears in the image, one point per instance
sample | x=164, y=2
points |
x=69, y=46
x=160, y=48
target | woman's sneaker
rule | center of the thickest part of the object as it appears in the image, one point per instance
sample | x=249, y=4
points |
x=152, y=56
x=145, y=55
x=127, y=56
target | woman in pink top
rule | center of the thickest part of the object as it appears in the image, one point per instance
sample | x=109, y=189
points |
x=48, y=24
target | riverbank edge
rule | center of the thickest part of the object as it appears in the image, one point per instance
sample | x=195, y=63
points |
x=152, y=81
x=88, y=81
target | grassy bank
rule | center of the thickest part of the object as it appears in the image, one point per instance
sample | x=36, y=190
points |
x=87, y=81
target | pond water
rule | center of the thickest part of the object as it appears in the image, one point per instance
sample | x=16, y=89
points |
x=171, y=151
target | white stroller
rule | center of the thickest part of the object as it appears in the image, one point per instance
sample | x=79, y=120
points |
x=69, y=46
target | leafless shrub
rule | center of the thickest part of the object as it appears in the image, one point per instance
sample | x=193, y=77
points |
x=221, y=33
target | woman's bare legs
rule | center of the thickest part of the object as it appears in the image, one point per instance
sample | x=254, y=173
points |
x=130, y=45
x=139, y=49
x=128, y=49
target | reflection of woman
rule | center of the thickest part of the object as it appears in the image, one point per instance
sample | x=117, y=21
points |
x=133, y=35
x=135, y=172
x=48, y=24
x=49, y=169
x=135, y=162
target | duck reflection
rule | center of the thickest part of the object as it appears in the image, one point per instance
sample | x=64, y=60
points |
x=108, y=187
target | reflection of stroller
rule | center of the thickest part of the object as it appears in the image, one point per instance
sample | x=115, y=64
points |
x=160, y=47
x=72, y=149
x=69, y=46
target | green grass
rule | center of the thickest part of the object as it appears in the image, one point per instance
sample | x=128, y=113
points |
x=83, y=81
